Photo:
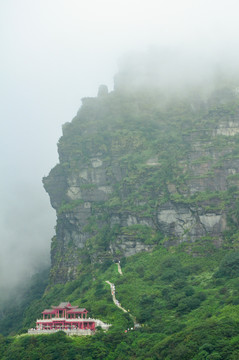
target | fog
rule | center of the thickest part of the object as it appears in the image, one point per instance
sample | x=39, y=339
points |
x=55, y=52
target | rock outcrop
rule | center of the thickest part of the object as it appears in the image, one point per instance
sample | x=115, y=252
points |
x=133, y=175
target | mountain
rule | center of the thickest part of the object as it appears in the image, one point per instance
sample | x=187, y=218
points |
x=138, y=170
x=149, y=178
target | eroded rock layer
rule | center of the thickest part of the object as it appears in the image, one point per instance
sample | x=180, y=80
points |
x=136, y=171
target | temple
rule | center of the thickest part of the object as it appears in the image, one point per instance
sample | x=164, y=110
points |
x=68, y=318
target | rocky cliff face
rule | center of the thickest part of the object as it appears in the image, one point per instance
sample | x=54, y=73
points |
x=135, y=173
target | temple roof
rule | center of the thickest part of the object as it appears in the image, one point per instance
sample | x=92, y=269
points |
x=78, y=310
x=49, y=311
x=64, y=305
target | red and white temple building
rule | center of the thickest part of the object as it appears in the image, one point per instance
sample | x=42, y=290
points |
x=68, y=318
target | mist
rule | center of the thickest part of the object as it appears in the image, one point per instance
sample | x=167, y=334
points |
x=176, y=71
x=53, y=53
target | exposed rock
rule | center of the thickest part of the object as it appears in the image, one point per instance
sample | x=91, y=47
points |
x=96, y=163
x=179, y=222
x=152, y=162
x=102, y=91
x=229, y=128
x=128, y=248
x=116, y=188
x=211, y=221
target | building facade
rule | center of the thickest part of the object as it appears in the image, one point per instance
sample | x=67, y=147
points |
x=65, y=317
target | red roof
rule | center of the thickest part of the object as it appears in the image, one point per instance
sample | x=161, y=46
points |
x=49, y=311
x=76, y=311
x=64, y=305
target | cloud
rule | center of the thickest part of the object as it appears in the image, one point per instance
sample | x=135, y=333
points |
x=55, y=52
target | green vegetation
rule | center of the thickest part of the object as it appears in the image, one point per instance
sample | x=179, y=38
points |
x=69, y=206
x=187, y=306
x=153, y=152
x=17, y=303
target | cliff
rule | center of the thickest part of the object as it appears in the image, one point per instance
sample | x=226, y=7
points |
x=139, y=169
x=150, y=178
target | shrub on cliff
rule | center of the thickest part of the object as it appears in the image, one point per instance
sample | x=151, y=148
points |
x=229, y=266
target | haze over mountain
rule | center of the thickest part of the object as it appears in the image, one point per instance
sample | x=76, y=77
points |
x=148, y=175
x=53, y=54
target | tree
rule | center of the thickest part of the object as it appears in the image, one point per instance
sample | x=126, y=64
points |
x=229, y=266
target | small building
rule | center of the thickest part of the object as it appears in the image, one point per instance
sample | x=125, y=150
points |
x=68, y=318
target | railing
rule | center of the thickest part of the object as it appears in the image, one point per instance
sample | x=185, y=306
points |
x=72, y=332
x=97, y=322
x=65, y=319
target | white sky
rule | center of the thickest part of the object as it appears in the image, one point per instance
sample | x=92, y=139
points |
x=53, y=53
